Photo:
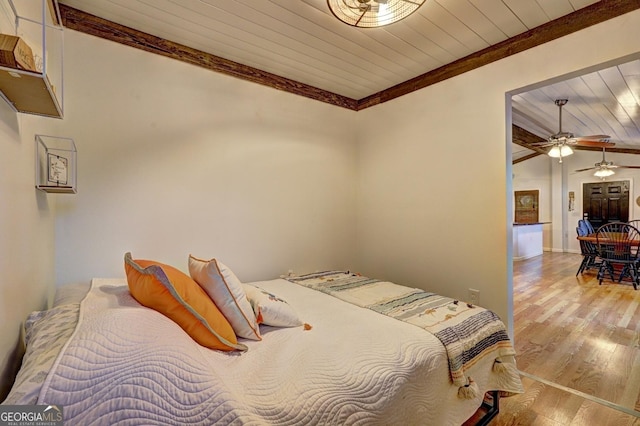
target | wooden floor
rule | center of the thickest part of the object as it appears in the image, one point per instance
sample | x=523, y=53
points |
x=582, y=339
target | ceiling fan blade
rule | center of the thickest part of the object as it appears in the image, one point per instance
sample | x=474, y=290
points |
x=594, y=137
x=542, y=143
x=629, y=167
x=593, y=143
x=584, y=170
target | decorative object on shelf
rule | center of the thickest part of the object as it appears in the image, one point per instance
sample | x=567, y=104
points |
x=372, y=13
x=56, y=164
x=16, y=53
x=31, y=71
x=58, y=171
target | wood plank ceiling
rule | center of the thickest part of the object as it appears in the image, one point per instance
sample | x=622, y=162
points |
x=300, y=47
x=602, y=102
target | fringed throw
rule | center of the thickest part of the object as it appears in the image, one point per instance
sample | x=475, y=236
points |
x=469, y=390
x=467, y=332
x=498, y=366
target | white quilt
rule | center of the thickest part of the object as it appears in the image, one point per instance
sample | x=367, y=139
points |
x=127, y=364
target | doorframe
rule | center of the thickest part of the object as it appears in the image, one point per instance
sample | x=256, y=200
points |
x=509, y=173
x=510, y=214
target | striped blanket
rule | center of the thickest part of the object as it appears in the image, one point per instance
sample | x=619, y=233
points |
x=467, y=332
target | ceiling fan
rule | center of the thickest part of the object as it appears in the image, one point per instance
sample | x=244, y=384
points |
x=605, y=168
x=561, y=142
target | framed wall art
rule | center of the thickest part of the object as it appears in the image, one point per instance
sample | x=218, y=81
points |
x=56, y=164
x=58, y=170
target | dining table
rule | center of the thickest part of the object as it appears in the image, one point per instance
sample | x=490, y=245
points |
x=616, y=243
x=592, y=238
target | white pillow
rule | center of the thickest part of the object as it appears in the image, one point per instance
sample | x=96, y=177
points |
x=226, y=291
x=270, y=309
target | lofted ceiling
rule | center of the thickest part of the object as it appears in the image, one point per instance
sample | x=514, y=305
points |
x=606, y=102
x=299, y=46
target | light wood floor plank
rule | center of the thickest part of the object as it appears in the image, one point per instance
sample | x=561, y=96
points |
x=581, y=340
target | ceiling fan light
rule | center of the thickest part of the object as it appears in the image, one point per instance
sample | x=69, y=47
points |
x=602, y=173
x=372, y=13
x=560, y=151
x=565, y=150
x=554, y=151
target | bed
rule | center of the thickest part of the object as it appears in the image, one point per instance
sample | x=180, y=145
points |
x=349, y=350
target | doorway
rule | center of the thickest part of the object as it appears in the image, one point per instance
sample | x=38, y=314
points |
x=605, y=202
x=561, y=329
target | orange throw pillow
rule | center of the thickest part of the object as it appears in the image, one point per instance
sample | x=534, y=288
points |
x=174, y=294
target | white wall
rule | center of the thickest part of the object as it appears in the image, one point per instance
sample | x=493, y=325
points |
x=533, y=174
x=427, y=226
x=174, y=159
x=26, y=230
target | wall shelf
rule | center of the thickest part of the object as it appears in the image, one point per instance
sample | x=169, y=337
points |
x=38, y=92
x=56, y=164
x=29, y=92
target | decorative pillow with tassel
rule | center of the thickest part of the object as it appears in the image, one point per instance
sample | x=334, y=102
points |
x=270, y=309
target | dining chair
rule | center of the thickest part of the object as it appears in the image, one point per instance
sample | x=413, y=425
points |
x=588, y=226
x=635, y=223
x=617, y=245
x=585, y=227
x=588, y=249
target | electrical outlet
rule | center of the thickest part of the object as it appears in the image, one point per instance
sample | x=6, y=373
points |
x=474, y=296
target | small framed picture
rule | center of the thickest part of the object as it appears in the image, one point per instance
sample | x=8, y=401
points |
x=58, y=170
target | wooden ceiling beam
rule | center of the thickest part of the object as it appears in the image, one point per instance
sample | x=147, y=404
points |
x=526, y=157
x=598, y=12
x=526, y=139
x=78, y=20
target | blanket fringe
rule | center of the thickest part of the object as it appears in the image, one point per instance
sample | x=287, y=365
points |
x=468, y=391
x=499, y=367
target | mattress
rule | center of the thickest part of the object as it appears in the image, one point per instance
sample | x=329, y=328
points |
x=127, y=364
